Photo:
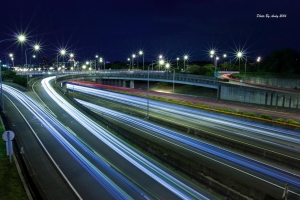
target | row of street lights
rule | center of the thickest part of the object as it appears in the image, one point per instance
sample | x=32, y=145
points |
x=133, y=56
x=20, y=38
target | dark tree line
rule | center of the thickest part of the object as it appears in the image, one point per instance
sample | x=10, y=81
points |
x=284, y=61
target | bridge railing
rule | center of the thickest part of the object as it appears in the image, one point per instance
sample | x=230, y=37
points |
x=158, y=75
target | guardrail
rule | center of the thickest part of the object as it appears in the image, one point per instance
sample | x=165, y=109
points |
x=166, y=76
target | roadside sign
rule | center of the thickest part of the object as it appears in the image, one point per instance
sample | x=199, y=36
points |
x=8, y=136
x=216, y=73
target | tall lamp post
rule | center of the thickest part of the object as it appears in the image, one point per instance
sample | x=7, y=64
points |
x=129, y=63
x=239, y=55
x=168, y=67
x=212, y=55
x=133, y=56
x=184, y=59
x=224, y=57
x=96, y=62
x=148, y=90
x=141, y=53
x=217, y=58
x=20, y=38
x=258, y=60
x=101, y=60
x=62, y=52
x=33, y=56
x=12, y=58
x=177, y=59
x=160, y=61
x=245, y=69
x=36, y=48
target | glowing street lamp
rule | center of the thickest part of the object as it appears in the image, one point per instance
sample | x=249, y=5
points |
x=185, y=57
x=36, y=47
x=72, y=59
x=177, y=61
x=217, y=58
x=12, y=58
x=133, y=56
x=168, y=66
x=62, y=52
x=161, y=62
x=96, y=61
x=239, y=55
x=21, y=38
x=101, y=60
x=258, y=60
x=142, y=53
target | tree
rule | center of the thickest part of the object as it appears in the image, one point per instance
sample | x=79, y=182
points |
x=8, y=75
x=206, y=70
x=284, y=61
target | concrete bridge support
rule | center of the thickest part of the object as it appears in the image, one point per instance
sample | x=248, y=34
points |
x=131, y=83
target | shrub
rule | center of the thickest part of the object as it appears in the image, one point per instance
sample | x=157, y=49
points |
x=291, y=121
x=8, y=74
x=224, y=79
x=265, y=116
x=250, y=114
x=223, y=109
x=238, y=112
x=280, y=119
x=21, y=80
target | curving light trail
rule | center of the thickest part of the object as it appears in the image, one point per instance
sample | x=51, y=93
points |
x=177, y=187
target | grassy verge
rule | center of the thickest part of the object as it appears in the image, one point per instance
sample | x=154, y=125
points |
x=10, y=184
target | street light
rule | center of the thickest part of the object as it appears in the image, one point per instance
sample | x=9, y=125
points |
x=224, y=57
x=142, y=53
x=239, y=55
x=72, y=59
x=128, y=59
x=36, y=47
x=258, y=60
x=11, y=57
x=12, y=60
x=184, y=59
x=102, y=60
x=33, y=56
x=160, y=63
x=168, y=67
x=21, y=38
x=212, y=55
x=62, y=52
x=217, y=58
x=133, y=56
x=148, y=91
x=177, y=62
x=96, y=62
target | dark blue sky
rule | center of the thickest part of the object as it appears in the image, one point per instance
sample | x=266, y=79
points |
x=116, y=29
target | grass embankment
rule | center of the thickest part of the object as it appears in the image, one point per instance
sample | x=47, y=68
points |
x=11, y=187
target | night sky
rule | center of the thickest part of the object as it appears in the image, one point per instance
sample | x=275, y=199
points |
x=117, y=29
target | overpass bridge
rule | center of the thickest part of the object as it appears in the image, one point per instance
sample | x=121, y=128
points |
x=237, y=92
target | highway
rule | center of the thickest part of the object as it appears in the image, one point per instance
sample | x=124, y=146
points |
x=262, y=135
x=172, y=111
x=122, y=172
x=240, y=163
